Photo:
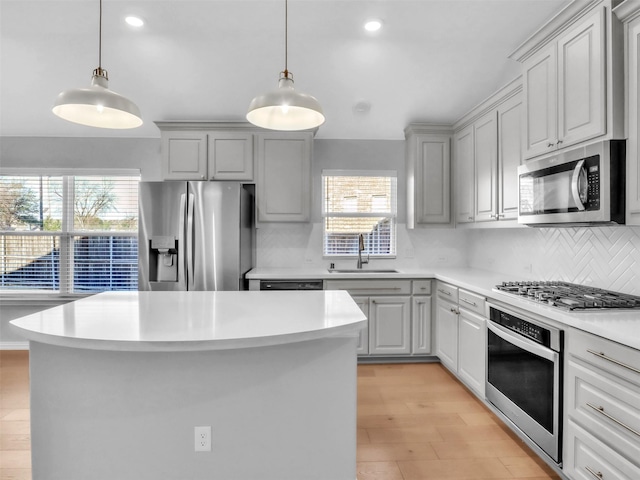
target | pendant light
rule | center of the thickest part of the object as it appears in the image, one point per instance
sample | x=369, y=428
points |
x=97, y=106
x=284, y=108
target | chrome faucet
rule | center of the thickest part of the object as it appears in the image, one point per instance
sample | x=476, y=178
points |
x=360, y=250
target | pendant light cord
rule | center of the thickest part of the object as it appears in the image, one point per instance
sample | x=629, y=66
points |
x=286, y=38
x=99, y=72
x=100, y=39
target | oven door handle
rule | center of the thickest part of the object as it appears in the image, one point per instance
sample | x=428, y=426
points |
x=523, y=342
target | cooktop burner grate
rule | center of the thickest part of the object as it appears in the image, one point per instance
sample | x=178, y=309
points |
x=569, y=296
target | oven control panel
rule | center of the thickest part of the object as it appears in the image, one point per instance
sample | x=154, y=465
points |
x=527, y=329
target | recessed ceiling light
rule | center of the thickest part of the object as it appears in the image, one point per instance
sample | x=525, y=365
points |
x=134, y=21
x=373, y=25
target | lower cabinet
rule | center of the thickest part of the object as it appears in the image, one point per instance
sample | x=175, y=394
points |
x=399, y=313
x=602, y=408
x=389, y=325
x=472, y=348
x=461, y=338
x=447, y=326
x=363, y=339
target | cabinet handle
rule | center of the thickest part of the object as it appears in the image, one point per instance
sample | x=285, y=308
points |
x=559, y=142
x=445, y=292
x=454, y=310
x=613, y=360
x=551, y=145
x=469, y=218
x=593, y=472
x=373, y=288
x=468, y=302
x=601, y=411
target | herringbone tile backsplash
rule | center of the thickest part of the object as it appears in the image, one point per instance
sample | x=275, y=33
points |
x=605, y=257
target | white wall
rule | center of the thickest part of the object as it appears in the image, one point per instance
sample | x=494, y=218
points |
x=57, y=152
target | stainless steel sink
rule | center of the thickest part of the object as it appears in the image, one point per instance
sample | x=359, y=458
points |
x=337, y=270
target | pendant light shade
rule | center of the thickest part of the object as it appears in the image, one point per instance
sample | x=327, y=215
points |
x=97, y=106
x=284, y=108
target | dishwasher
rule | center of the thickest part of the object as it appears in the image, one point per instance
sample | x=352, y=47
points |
x=291, y=285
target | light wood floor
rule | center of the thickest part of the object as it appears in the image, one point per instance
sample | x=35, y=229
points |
x=415, y=422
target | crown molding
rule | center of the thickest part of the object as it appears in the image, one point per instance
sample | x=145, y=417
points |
x=627, y=10
x=428, y=129
x=556, y=25
x=511, y=89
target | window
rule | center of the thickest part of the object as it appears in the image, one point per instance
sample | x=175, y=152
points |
x=358, y=203
x=69, y=233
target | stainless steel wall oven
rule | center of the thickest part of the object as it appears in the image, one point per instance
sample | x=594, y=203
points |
x=524, y=375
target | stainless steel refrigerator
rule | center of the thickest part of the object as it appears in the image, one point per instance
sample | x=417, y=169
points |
x=195, y=235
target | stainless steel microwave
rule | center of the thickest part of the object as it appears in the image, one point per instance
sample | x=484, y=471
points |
x=582, y=186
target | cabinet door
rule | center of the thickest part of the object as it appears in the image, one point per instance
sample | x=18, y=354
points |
x=509, y=156
x=486, y=163
x=389, y=325
x=433, y=179
x=184, y=155
x=540, y=99
x=633, y=118
x=581, y=81
x=363, y=340
x=421, y=325
x=464, y=168
x=447, y=333
x=231, y=156
x=284, y=177
x=472, y=350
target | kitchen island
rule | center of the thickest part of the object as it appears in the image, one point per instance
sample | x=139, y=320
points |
x=119, y=381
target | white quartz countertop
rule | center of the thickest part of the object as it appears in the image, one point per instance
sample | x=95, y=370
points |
x=188, y=321
x=622, y=326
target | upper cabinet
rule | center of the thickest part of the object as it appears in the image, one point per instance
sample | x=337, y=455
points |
x=509, y=156
x=284, y=176
x=230, y=156
x=184, y=155
x=428, y=174
x=573, y=79
x=629, y=13
x=487, y=153
x=206, y=151
x=278, y=162
x=463, y=148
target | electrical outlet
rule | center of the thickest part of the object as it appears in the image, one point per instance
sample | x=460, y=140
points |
x=202, y=439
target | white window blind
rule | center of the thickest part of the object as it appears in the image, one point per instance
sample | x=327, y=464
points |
x=68, y=234
x=358, y=203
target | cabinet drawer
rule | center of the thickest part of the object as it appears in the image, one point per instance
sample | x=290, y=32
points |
x=371, y=287
x=589, y=459
x=610, y=356
x=471, y=301
x=421, y=287
x=447, y=292
x=606, y=406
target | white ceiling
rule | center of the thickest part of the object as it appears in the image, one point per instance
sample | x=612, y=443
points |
x=205, y=60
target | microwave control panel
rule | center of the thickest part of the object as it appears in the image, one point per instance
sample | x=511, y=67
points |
x=592, y=167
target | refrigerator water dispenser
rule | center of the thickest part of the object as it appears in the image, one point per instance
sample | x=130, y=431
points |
x=165, y=263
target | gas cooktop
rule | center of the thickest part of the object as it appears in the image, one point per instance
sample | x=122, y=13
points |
x=569, y=296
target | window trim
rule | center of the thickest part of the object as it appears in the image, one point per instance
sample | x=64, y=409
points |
x=65, y=235
x=392, y=215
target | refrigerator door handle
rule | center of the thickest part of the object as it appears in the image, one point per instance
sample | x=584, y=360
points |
x=190, y=265
x=182, y=267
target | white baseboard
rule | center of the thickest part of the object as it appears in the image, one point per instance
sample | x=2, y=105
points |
x=14, y=345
